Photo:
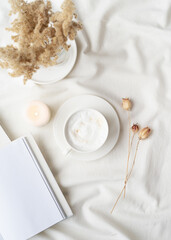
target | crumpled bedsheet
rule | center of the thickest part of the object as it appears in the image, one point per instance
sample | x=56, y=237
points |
x=124, y=50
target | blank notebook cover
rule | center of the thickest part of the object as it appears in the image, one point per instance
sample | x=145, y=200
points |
x=28, y=204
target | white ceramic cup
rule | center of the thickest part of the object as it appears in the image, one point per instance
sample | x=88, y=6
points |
x=86, y=120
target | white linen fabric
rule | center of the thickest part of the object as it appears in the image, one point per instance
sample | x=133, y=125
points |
x=123, y=51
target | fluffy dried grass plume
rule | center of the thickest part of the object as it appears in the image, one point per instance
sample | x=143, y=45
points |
x=40, y=34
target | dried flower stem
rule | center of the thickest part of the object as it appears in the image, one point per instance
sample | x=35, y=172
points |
x=117, y=199
x=128, y=176
x=129, y=121
x=129, y=147
x=129, y=152
x=134, y=159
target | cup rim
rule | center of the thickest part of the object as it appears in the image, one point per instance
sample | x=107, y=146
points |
x=82, y=151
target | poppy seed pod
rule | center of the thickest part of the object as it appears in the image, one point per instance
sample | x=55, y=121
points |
x=144, y=133
x=126, y=104
x=135, y=128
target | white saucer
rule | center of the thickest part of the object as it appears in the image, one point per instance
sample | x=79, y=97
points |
x=55, y=73
x=80, y=102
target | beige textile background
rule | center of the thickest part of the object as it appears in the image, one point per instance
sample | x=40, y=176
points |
x=123, y=51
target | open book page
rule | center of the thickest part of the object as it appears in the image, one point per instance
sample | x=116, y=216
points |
x=49, y=175
x=27, y=206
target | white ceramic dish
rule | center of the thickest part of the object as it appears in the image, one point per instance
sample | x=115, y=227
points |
x=55, y=73
x=76, y=104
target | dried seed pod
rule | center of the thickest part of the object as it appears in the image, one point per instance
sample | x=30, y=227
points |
x=135, y=128
x=144, y=133
x=126, y=104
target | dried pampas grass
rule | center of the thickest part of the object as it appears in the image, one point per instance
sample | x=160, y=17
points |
x=40, y=34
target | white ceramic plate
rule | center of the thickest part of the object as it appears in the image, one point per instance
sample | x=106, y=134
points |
x=55, y=73
x=76, y=104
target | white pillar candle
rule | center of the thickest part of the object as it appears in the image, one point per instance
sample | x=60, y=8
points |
x=37, y=113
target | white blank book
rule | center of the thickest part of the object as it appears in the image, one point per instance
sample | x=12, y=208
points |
x=27, y=203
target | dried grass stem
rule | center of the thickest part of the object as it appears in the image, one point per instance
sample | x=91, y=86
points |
x=128, y=176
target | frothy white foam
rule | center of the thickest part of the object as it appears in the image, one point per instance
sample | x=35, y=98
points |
x=86, y=130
